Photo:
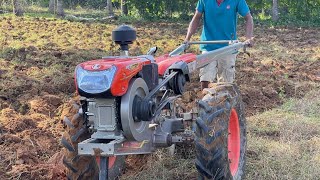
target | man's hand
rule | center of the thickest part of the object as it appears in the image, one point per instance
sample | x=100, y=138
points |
x=249, y=42
x=186, y=41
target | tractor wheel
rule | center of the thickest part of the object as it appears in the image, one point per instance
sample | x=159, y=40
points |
x=221, y=134
x=83, y=167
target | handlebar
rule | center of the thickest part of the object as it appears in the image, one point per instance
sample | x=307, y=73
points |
x=184, y=47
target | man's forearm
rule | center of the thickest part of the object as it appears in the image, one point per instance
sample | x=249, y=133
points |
x=249, y=26
x=193, y=26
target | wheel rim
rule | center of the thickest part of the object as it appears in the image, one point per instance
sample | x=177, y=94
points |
x=234, y=142
x=111, y=161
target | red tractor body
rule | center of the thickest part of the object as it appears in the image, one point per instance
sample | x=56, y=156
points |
x=126, y=68
x=129, y=67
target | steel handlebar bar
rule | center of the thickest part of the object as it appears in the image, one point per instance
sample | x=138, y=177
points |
x=185, y=46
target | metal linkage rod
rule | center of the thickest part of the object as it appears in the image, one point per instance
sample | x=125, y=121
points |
x=104, y=161
x=162, y=83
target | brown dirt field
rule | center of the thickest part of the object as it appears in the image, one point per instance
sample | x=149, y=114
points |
x=36, y=68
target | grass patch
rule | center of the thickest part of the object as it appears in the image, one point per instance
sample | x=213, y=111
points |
x=161, y=165
x=309, y=108
x=285, y=143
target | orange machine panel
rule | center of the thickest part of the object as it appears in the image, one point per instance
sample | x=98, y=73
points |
x=164, y=62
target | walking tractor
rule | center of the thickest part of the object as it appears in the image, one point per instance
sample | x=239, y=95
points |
x=127, y=106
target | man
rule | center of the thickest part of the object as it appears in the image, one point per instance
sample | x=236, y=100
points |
x=220, y=23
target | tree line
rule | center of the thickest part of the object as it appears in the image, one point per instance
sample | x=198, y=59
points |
x=299, y=9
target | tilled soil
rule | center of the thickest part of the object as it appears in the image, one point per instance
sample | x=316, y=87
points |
x=29, y=143
x=37, y=81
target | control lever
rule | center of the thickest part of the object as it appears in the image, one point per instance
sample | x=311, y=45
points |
x=152, y=51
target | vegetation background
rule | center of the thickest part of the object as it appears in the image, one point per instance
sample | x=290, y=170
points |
x=286, y=11
x=41, y=42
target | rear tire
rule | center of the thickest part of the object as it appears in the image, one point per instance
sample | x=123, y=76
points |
x=221, y=134
x=82, y=167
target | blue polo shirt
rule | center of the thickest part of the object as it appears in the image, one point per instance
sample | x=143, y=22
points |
x=220, y=22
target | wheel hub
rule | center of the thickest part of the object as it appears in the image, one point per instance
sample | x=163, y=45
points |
x=143, y=109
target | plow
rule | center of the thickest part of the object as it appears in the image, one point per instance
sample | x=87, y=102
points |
x=128, y=106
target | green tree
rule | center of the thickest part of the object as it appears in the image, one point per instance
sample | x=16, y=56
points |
x=52, y=6
x=60, y=10
x=110, y=8
x=124, y=7
x=275, y=10
x=17, y=7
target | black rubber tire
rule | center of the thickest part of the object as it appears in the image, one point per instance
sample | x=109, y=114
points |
x=82, y=167
x=211, y=142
